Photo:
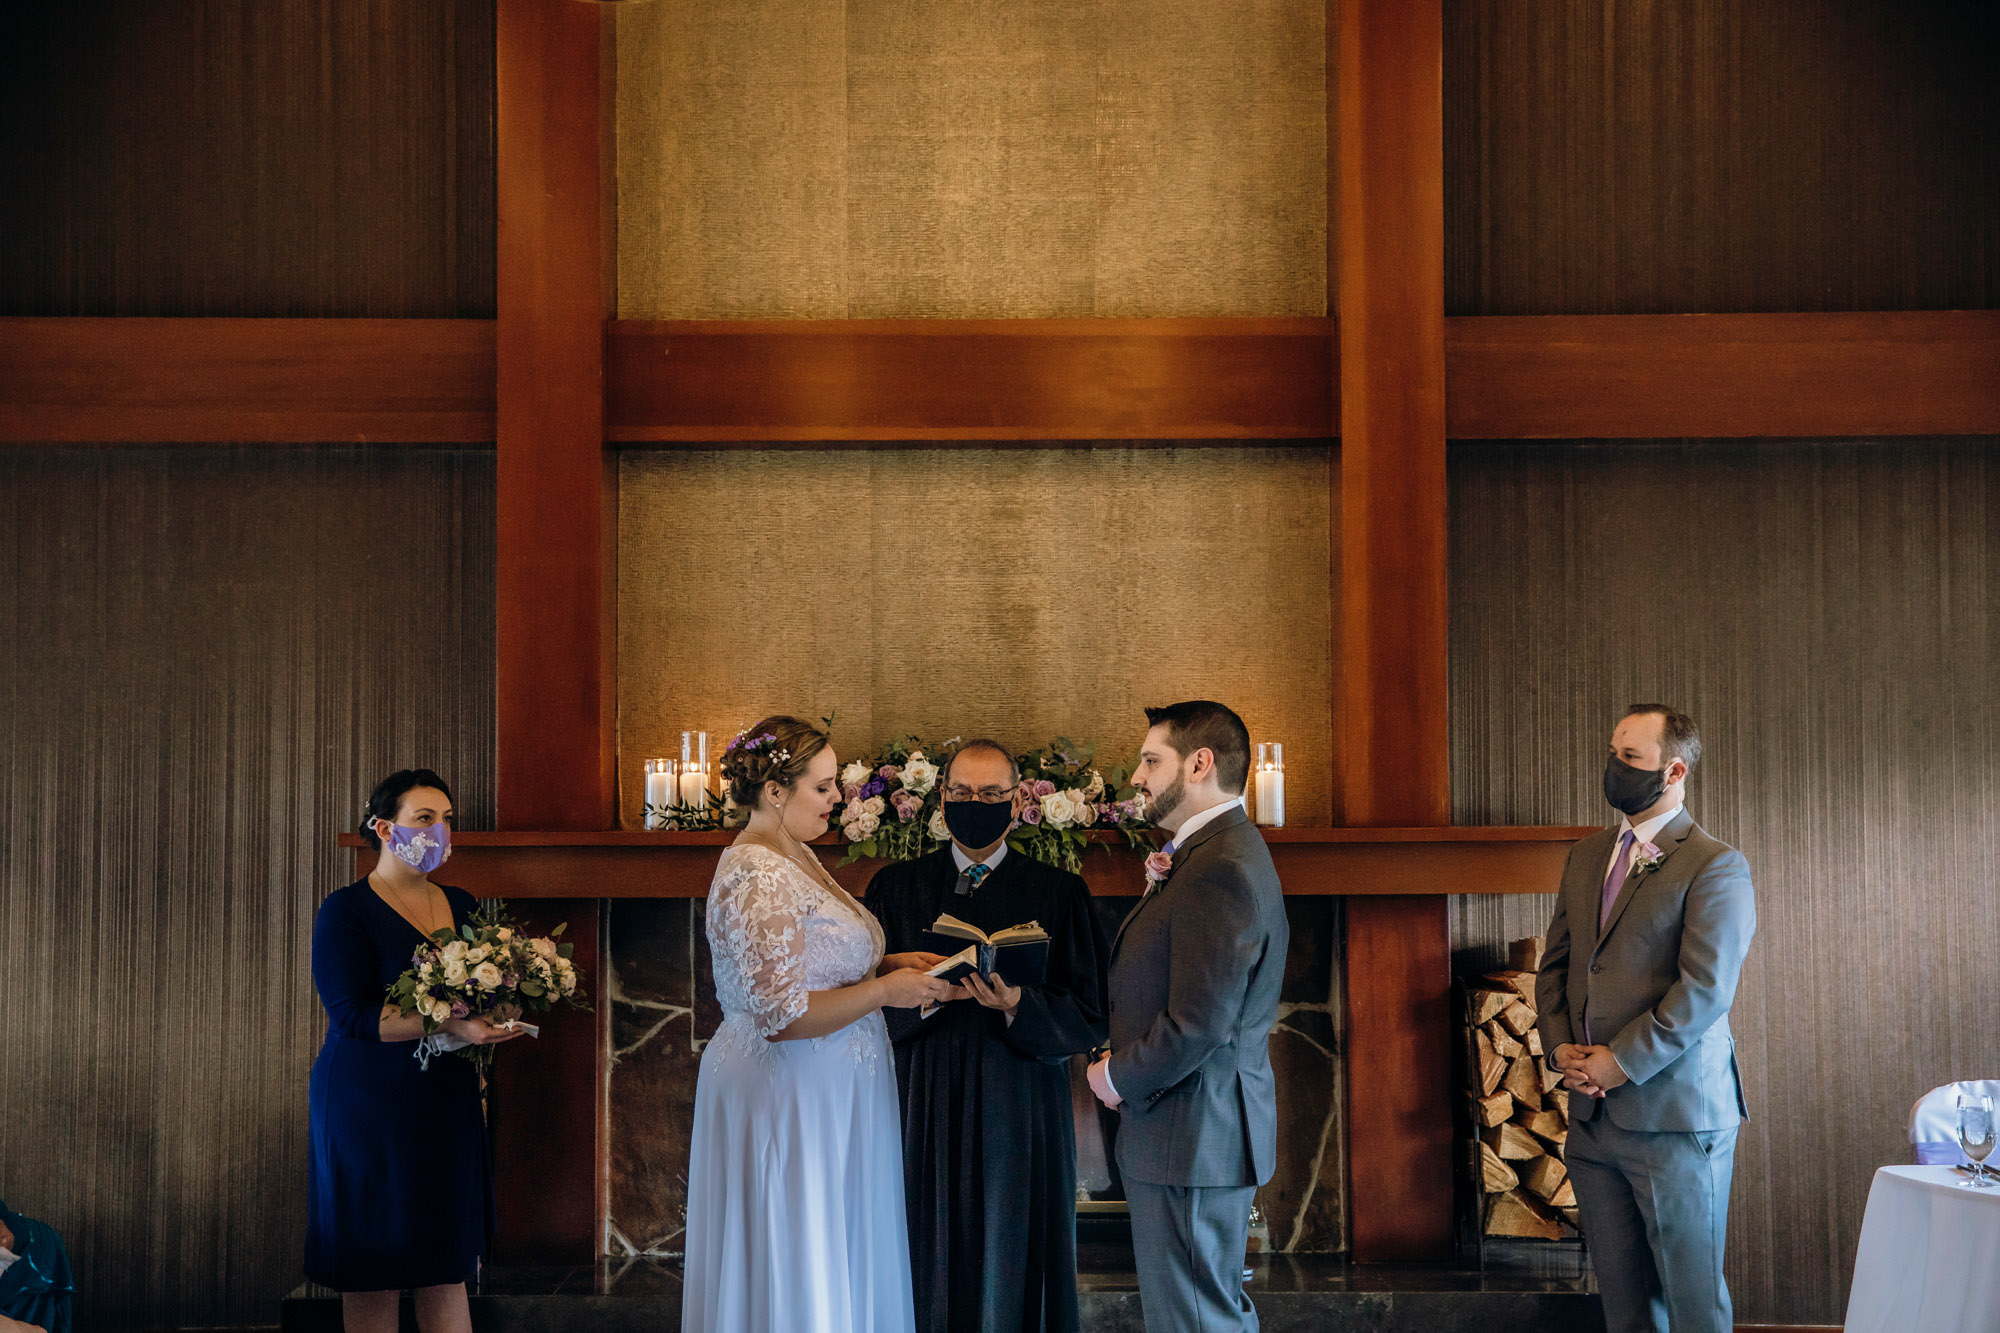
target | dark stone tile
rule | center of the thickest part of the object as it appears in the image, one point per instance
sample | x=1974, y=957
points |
x=650, y=949
x=1312, y=963
x=1302, y=1202
x=652, y=1116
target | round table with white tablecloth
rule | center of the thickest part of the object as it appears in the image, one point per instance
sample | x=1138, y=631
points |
x=1929, y=1257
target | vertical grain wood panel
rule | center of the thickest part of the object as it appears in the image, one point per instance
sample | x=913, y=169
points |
x=247, y=157
x=1721, y=155
x=211, y=656
x=1392, y=765
x=555, y=575
x=1826, y=613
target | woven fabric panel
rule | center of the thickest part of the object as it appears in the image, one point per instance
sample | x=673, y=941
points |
x=885, y=158
x=211, y=656
x=1020, y=593
x=1826, y=613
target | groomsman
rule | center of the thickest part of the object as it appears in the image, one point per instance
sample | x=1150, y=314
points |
x=989, y=1147
x=1650, y=929
x=1195, y=975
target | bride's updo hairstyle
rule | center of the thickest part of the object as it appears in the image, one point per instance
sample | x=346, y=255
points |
x=778, y=749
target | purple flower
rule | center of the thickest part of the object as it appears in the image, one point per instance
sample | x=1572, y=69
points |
x=459, y=1009
x=1043, y=787
x=1031, y=814
x=875, y=787
x=888, y=772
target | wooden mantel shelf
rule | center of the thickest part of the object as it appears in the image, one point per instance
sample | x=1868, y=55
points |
x=1310, y=861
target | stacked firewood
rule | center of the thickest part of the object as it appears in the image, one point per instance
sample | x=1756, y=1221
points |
x=1520, y=1109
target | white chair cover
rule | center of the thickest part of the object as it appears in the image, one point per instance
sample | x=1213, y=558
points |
x=1934, y=1122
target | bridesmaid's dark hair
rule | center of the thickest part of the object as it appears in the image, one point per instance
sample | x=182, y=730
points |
x=387, y=798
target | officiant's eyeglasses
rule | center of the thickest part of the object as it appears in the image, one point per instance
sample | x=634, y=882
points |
x=990, y=795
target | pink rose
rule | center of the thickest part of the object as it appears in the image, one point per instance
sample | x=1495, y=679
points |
x=888, y=772
x=1043, y=787
x=1031, y=814
x=906, y=805
x=851, y=792
x=1158, y=866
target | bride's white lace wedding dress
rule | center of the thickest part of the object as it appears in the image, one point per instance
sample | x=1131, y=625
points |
x=795, y=1172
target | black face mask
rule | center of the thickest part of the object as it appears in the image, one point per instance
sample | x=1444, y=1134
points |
x=1630, y=789
x=978, y=824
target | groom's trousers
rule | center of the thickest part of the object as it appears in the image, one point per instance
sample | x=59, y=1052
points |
x=1189, y=1242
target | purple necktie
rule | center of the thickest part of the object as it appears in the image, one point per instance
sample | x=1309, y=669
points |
x=1621, y=866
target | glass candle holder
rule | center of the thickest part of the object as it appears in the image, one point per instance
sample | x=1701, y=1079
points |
x=659, y=791
x=1267, y=775
x=693, y=787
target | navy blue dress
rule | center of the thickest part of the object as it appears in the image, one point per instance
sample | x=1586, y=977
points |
x=397, y=1193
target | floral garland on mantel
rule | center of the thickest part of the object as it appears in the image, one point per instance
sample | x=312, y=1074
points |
x=892, y=803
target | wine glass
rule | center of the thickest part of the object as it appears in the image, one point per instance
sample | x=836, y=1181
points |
x=1975, y=1134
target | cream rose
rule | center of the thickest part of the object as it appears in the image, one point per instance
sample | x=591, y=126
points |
x=454, y=972
x=506, y=935
x=545, y=947
x=1058, y=810
x=855, y=774
x=919, y=775
x=480, y=954
x=863, y=827
x=939, y=829
x=874, y=807
x=1096, y=787
x=456, y=951
x=487, y=975
x=566, y=976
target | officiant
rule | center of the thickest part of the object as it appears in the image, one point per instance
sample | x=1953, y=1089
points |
x=989, y=1149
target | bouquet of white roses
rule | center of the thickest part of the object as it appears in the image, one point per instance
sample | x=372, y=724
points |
x=485, y=968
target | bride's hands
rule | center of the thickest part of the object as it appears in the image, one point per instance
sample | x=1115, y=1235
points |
x=908, y=987
x=896, y=962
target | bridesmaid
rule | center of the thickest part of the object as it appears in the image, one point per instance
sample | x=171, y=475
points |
x=396, y=1181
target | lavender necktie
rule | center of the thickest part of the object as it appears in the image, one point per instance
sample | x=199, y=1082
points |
x=1621, y=866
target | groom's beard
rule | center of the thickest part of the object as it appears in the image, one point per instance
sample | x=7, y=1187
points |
x=1168, y=801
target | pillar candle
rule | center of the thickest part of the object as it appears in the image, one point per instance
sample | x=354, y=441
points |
x=659, y=791
x=1271, y=798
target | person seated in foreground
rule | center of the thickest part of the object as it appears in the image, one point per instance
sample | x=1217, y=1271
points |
x=35, y=1283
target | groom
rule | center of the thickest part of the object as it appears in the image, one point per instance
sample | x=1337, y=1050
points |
x=1195, y=973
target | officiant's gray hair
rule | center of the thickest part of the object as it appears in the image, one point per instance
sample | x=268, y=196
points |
x=990, y=746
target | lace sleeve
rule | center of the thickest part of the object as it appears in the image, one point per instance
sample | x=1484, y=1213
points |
x=756, y=928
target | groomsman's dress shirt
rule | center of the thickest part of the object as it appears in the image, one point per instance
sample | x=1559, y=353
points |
x=1193, y=825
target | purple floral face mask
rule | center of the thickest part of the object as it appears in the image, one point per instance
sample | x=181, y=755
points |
x=421, y=849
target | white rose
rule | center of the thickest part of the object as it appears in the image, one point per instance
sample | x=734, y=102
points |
x=1096, y=788
x=480, y=954
x=939, y=829
x=863, y=828
x=1086, y=812
x=919, y=775
x=874, y=806
x=427, y=973
x=506, y=934
x=1058, y=811
x=566, y=977
x=454, y=972
x=440, y=1010
x=455, y=951
x=855, y=774
x=487, y=975
x=545, y=947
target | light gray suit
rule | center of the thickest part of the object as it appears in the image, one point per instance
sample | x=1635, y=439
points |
x=1652, y=1162
x=1195, y=975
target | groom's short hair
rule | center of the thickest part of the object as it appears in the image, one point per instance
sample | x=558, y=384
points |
x=1202, y=724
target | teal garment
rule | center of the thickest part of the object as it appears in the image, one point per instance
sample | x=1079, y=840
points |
x=37, y=1288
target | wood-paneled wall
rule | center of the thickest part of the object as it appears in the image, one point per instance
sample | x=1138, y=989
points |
x=1827, y=613
x=246, y=157
x=209, y=657
x=1721, y=155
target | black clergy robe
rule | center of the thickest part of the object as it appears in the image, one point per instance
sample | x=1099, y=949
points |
x=989, y=1146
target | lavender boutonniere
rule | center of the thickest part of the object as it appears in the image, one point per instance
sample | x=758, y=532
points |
x=1158, y=866
x=1648, y=859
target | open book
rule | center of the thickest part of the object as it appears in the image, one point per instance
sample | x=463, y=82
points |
x=1020, y=953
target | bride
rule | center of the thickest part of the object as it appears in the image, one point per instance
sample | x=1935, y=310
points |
x=795, y=1173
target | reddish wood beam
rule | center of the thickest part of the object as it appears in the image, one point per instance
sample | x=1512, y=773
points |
x=556, y=509
x=1393, y=762
x=1039, y=379
x=1311, y=862
x=259, y=381
x=1924, y=372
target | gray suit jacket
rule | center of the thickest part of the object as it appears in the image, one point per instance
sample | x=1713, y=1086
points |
x=1656, y=985
x=1195, y=975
